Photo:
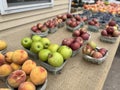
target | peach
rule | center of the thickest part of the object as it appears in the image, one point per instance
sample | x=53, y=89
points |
x=15, y=66
x=5, y=70
x=27, y=86
x=19, y=56
x=38, y=75
x=3, y=45
x=2, y=59
x=16, y=78
x=8, y=56
x=28, y=66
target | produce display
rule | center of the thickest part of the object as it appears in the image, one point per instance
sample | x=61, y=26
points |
x=23, y=73
x=110, y=33
x=20, y=72
x=94, y=54
x=101, y=6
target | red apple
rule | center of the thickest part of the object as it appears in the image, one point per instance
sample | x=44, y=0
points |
x=84, y=18
x=73, y=24
x=116, y=33
x=83, y=30
x=85, y=36
x=110, y=30
x=76, y=33
x=75, y=45
x=102, y=51
x=34, y=28
x=73, y=19
x=79, y=40
x=69, y=22
x=91, y=23
x=43, y=28
x=69, y=15
x=97, y=54
x=112, y=23
x=104, y=33
x=39, y=25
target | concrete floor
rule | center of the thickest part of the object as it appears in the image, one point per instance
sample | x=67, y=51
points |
x=113, y=80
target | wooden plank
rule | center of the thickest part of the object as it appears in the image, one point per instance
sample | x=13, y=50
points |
x=58, y=5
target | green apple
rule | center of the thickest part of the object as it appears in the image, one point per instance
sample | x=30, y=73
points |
x=26, y=42
x=46, y=42
x=36, y=38
x=92, y=44
x=43, y=54
x=65, y=51
x=53, y=47
x=55, y=59
x=36, y=47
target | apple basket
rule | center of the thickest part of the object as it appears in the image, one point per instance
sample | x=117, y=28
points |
x=52, y=69
x=93, y=28
x=53, y=30
x=74, y=53
x=95, y=60
x=42, y=34
x=39, y=87
x=108, y=39
x=61, y=24
x=72, y=28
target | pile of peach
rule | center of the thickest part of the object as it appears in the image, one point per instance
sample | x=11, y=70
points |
x=101, y=6
x=21, y=72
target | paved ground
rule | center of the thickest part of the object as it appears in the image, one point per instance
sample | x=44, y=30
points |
x=113, y=79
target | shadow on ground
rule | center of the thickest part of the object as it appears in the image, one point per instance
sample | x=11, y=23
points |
x=113, y=80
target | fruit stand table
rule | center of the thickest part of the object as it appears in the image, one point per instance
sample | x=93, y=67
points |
x=77, y=74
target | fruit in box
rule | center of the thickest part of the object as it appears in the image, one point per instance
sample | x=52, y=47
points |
x=26, y=42
x=5, y=70
x=92, y=44
x=36, y=47
x=38, y=75
x=8, y=56
x=15, y=66
x=73, y=43
x=65, y=51
x=110, y=32
x=112, y=23
x=36, y=38
x=53, y=47
x=3, y=45
x=55, y=59
x=2, y=59
x=28, y=66
x=27, y=86
x=51, y=23
x=81, y=33
x=19, y=56
x=92, y=51
x=46, y=42
x=43, y=54
x=16, y=78
x=94, y=22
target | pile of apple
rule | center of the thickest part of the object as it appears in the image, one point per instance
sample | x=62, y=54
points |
x=39, y=28
x=91, y=50
x=81, y=33
x=52, y=54
x=94, y=22
x=22, y=73
x=111, y=30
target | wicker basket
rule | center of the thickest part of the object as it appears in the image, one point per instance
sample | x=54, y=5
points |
x=42, y=34
x=53, y=69
x=95, y=60
x=62, y=24
x=93, y=28
x=108, y=39
x=39, y=87
x=53, y=30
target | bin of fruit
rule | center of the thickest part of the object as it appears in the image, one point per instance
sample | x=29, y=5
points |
x=52, y=25
x=40, y=30
x=92, y=53
x=34, y=44
x=73, y=24
x=75, y=43
x=54, y=57
x=3, y=46
x=93, y=25
x=110, y=33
